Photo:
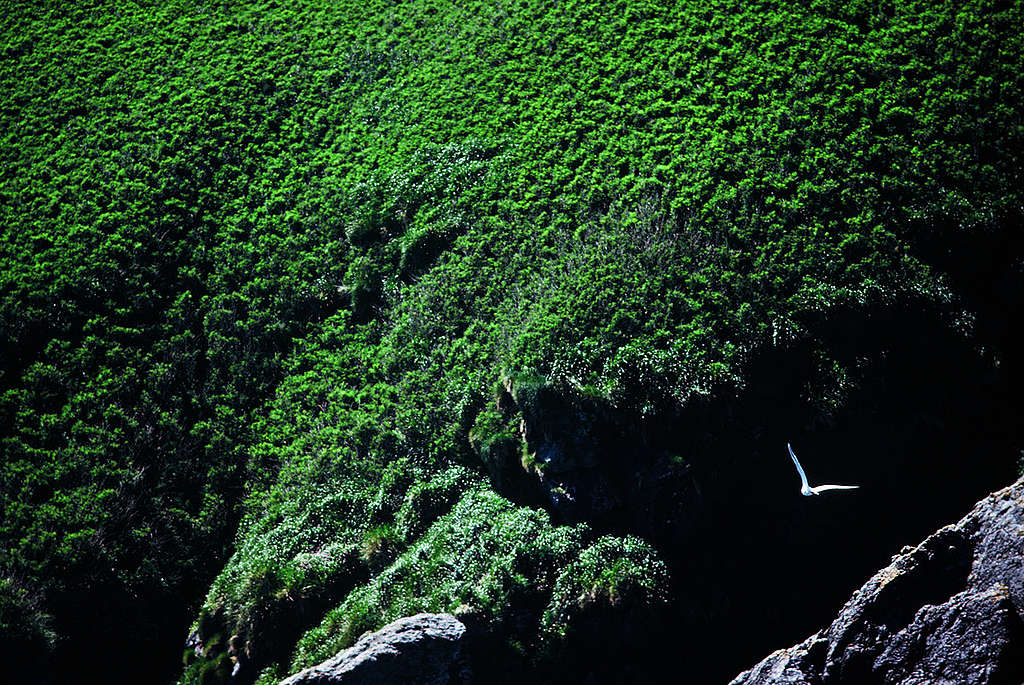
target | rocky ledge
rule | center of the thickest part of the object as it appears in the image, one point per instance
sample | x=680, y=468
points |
x=950, y=610
x=425, y=649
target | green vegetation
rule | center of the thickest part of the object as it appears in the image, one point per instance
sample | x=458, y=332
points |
x=266, y=268
x=26, y=634
x=487, y=559
x=611, y=573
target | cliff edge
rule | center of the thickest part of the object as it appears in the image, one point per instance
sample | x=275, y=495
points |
x=950, y=610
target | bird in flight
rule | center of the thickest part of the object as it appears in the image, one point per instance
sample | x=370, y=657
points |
x=805, y=489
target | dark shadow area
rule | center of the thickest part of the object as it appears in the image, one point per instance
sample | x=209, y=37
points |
x=929, y=427
x=1011, y=670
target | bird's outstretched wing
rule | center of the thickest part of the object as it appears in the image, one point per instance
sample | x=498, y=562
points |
x=799, y=469
x=820, y=488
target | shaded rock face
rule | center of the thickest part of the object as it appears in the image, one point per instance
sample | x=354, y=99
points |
x=950, y=610
x=711, y=485
x=577, y=444
x=426, y=649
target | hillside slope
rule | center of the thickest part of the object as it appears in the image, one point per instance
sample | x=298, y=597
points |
x=334, y=312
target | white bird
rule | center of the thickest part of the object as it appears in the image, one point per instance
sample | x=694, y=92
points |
x=805, y=489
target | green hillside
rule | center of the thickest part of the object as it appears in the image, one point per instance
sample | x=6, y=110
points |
x=289, y=291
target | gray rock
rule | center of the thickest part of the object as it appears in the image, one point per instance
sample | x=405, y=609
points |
x=950, y=610
x=426, y=649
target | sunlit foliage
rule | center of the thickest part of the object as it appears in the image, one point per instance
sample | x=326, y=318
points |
x=266, y=263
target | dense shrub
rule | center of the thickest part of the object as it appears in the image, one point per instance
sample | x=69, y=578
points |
x=486, y=557
x=613, y=574
x=261, y=264
x=427, y=501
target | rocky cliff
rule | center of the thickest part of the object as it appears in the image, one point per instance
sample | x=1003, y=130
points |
x=426, y=649
x=950, y=610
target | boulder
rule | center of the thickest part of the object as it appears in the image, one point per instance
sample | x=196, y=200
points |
x=950, y=610
x=426, y=649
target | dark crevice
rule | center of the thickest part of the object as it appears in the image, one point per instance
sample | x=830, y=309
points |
x=1010, y=669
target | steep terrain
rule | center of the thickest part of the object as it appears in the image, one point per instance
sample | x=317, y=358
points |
x=950, y=610
x=315, y=315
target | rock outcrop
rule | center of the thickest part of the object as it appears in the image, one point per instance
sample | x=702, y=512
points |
x=950, y=610
x=426, y=649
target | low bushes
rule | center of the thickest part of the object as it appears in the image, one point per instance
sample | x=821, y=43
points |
x=499, y=566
